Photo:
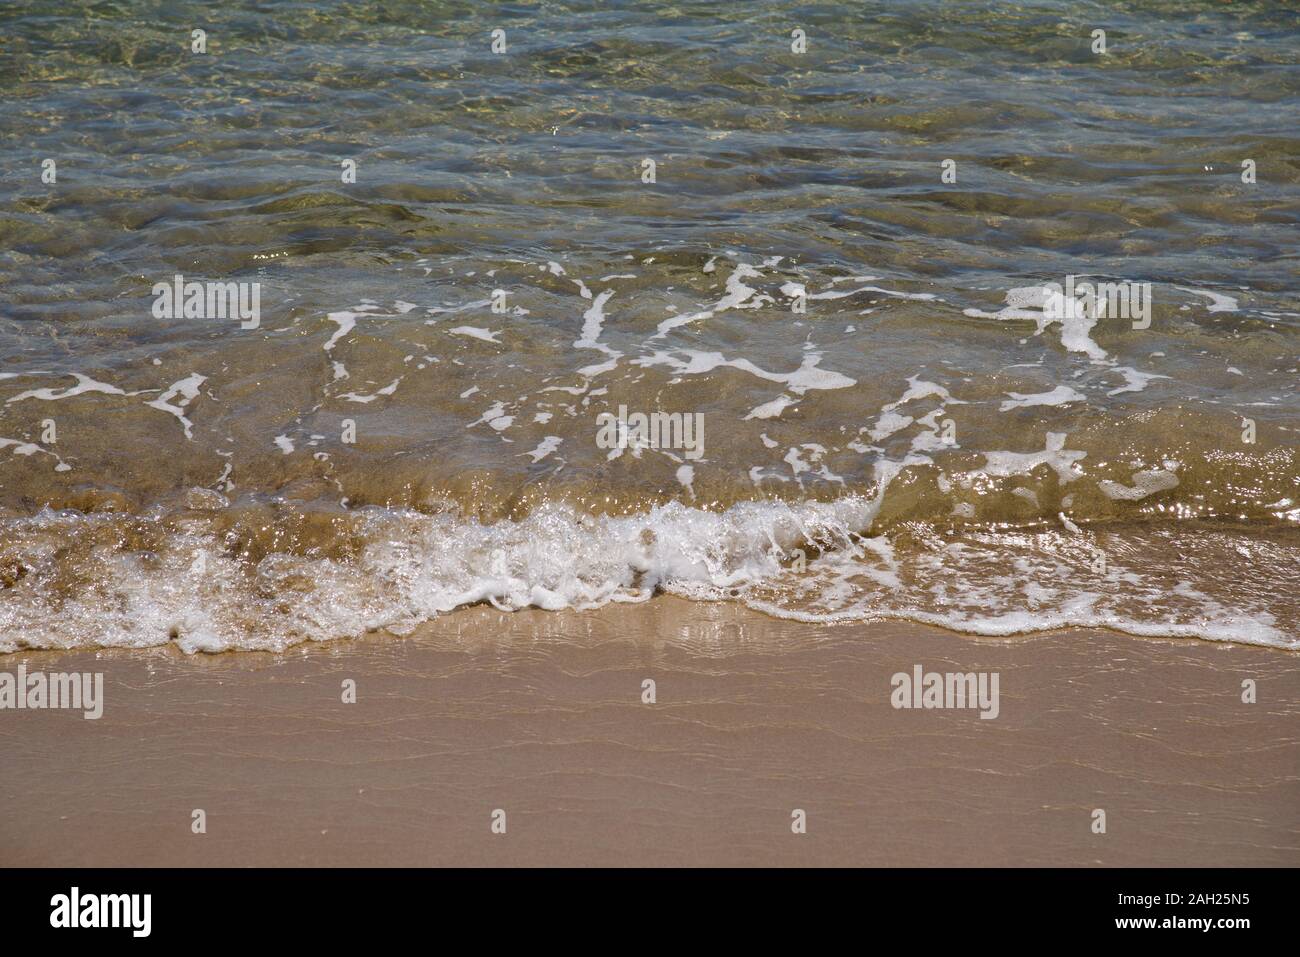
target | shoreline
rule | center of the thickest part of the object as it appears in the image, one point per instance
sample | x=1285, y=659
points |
x=540, y=714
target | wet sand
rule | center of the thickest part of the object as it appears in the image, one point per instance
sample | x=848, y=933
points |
x=540, y=714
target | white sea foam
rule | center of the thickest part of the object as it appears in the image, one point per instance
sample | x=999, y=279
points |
x=773, y=409
x=807, y=376
x=1061, y=395
x=738, y=296
x=186, y=390
x=366, y=398
x=346, y=322
x=840, y=294
x=1218, y=301
x=1134, y=380
x=84, y=384
x=1144, y=484
x=412, y=567
x=475, y=332
x=1060, y=459
x=545, y=447
x=1045, y=307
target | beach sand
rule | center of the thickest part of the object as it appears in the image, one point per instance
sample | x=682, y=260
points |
x=540, y=714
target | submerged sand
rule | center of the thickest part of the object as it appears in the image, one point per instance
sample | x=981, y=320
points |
x=541, y=715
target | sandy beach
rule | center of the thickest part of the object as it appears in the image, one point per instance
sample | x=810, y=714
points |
x=541, y=715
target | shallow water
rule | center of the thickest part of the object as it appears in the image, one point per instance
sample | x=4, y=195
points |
x=895, y=422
